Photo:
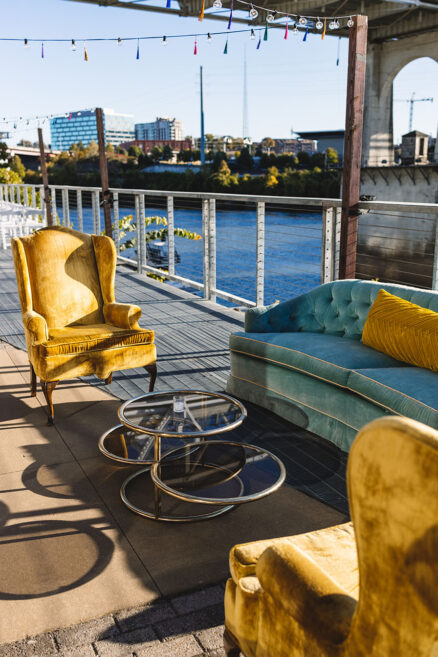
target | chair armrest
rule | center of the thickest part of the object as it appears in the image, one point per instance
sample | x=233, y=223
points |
x=122, y=315
x=306, y=592
x=36, y=326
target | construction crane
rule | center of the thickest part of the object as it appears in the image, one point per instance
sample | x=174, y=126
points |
x=411, y=102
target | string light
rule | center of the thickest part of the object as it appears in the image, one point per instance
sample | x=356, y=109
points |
x=26, y=43
x=271, y=17
x=253, y=12
x=209, y=38
x=334, y=24
x=302, y=20
x=295, y=29
x=164, y=41
x=73, y=44
x=350, y=22
x=252, y=34
x=319, y=24
x=119, y=41
x=217, y=4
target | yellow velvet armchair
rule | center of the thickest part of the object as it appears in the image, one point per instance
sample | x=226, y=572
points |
x=366, y=589
x=73, y=325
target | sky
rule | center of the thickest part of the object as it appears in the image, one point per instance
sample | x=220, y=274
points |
x=292, y=85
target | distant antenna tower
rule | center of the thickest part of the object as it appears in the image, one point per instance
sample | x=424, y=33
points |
x=245, y=129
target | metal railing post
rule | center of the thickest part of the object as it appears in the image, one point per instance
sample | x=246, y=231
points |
x=328, y=245
x=212, y=248
x=260, y=254
x=65, y=208
x=79, y=211
x=33, y=196
x=54, y=212
x=142, y=232
x=435, y=259
x=338, y=216
x=42, y=206
x=206, y=238
x=116, y=231
x=96, y=212
x=171, y=235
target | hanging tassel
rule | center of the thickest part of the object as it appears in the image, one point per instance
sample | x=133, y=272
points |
x=226, y=47
x=42, y=50
x=305, y=34
x=201, y=15
x=230, y=20
x=138, y=49
x=195, y=52
x=324, y=28
x=287, y=27
x=339, y=46
x=260, y=42
x=265, y=36
x=168, y=4
x=85, y=52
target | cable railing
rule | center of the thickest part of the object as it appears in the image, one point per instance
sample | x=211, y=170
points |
x=254, y=249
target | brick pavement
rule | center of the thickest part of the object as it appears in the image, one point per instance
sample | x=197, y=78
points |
x=190, y=625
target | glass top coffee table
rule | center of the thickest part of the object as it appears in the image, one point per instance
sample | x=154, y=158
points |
x=189, y=477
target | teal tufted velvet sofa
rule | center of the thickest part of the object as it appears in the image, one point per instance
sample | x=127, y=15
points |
x=304, y=360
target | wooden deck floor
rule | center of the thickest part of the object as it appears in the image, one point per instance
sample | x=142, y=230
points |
x=192, y=342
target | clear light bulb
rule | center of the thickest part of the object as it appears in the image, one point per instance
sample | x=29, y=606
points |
x=217, y=4
x=252, y=34
x=73, y=44
x=295, y=29
x=209, y=38
x=302, y=20
x=271, y=17
x=26, y=43
x=164, y=41
x=334, y=24
x=253, y=12
x=350, y=22
x=119, y=41
x=319, y=24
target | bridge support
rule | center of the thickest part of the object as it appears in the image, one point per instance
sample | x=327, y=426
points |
x=384, y=61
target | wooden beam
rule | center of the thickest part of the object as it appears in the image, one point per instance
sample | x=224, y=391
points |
x=353, y=146
x=104, y=173
x=45, y=179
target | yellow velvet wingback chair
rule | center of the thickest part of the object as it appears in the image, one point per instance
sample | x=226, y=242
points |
x=366, y=589
x=72, y=324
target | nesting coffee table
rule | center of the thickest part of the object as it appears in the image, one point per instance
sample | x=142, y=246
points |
x=173, y=435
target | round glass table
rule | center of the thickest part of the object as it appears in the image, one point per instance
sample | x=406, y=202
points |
x=189, y=477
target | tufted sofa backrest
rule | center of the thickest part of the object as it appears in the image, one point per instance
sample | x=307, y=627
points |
x=341, y=307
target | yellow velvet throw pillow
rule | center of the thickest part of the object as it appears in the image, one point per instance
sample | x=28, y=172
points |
x=402, y=330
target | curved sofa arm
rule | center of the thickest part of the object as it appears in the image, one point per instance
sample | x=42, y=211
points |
x=36, y=326
x=306, y=592
x=277, y=317
x=122, y=315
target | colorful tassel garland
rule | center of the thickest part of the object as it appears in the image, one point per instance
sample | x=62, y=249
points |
x=195, y=52
x=324, y=28
x=201, y=15
x=230, y=20
x=85, y=52
x=287, y=27
x=265, y=36
x=138, y=49
x=168, y=4
x=42, y=50
x=260, y=42
x=226, y=47
x=305, y=34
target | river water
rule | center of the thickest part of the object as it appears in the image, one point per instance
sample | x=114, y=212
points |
x=292, y=249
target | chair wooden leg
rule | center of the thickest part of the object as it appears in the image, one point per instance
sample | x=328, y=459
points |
x=230, y=646
x=48, y=388
x=109, y=379
x=33, y=381
x=152, y=370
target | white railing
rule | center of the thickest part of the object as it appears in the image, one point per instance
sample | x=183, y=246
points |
x=380, y=240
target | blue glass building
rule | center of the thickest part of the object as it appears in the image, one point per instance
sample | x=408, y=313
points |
x=72, y=127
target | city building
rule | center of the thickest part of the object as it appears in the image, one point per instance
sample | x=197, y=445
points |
x=147, y=145
x=161, y=129
x=414, y=148
x=294, y=146
x=72, y=127
x=326, y=139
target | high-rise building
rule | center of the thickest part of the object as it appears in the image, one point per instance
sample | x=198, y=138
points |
x=160, y=129
x=69, y=128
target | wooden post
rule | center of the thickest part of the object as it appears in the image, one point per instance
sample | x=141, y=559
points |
x=104, y=173
x=45, y=179
x=353, y=146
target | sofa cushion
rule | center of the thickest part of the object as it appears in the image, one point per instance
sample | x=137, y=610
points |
x=91, y=337
x=403, y=330
x=327, y=357
x=409, y=391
